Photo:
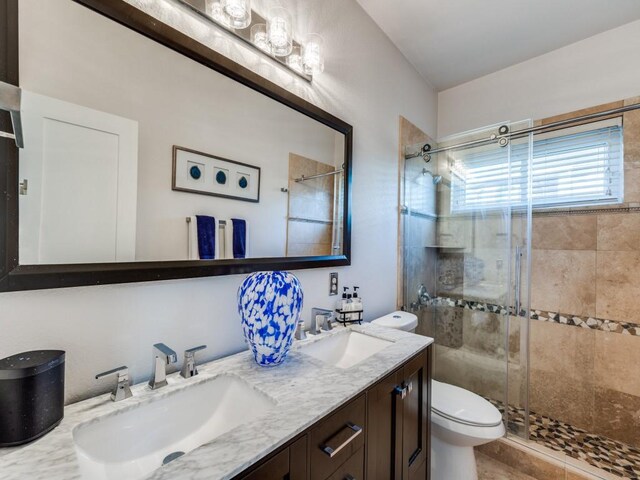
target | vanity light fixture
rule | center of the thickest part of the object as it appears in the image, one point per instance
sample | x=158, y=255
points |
x=238, y=12
x=271, y=35
x=280, y=31
x=294, y=60
x=215, y=10
x=259, y=37
x=313, y=54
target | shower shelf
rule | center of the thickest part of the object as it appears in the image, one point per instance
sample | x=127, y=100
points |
x=445, y=247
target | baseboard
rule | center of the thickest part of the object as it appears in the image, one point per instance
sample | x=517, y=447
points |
x=540, y=462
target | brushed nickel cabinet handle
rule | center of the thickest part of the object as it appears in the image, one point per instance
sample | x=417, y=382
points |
x=341, y=439
x=404, y=390
x=349, y=477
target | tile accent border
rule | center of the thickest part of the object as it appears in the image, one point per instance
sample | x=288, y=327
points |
x=605, y=325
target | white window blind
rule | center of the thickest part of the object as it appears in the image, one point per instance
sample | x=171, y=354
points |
x=578, y=166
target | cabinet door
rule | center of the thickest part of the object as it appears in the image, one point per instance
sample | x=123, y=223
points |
x=384, y=430
x=290, y=464
x=415, y=417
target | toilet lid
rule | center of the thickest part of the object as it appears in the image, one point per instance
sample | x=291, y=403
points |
x=399, y=320
x=463, y=406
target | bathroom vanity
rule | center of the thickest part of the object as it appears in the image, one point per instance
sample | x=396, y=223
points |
x=382, y=433
x=313, y=417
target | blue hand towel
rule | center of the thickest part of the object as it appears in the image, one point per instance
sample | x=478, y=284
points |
x=206, y=237
x=239, y=238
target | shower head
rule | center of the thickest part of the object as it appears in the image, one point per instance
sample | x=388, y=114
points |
x=436, y=178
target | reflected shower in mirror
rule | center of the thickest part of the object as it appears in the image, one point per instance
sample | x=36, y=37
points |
x=134, y=152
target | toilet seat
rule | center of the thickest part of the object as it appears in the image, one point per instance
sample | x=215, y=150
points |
x=462, y=406
x=399, y=320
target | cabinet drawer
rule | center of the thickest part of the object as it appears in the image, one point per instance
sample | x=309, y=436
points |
x=337, y=439
x=352, y=469
x=275, y=469
x=289, y=464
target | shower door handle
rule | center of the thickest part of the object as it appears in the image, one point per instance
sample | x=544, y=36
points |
x=518, y=282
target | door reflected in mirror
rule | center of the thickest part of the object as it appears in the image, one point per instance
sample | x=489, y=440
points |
x=102, y=121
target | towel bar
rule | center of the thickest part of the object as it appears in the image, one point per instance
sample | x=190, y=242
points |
x=222, y=228
x=10, y=97
x=222, y=223
x=304, y=178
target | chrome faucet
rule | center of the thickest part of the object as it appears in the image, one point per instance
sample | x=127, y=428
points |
x=121, y=390
x=423, y=296
x=423, y=300
x=189, y=367
x=162, y=356
x=320, y=315
x=300, y=333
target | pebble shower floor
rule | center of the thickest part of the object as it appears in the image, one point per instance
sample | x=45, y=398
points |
x=609, y=455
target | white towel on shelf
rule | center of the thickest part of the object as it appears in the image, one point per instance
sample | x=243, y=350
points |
x=228, y=239
x=192, y=238
x=194, y=249
x=218, y=252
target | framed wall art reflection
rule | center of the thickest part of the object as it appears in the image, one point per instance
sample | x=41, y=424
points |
x=205, y=174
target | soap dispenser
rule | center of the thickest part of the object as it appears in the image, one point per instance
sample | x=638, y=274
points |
x=356, y=305
x=345, y=304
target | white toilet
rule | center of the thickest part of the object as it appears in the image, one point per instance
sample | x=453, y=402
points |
x=460, y=419
x=399, y=320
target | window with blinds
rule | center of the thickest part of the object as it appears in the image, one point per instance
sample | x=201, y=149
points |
x=569, y=167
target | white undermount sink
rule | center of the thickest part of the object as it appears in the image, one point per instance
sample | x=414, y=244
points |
x=345, y=350
x=135, y=442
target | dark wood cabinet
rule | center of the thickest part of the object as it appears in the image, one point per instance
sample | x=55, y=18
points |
x=276, y=468
x=384, y=452
x=414, y=414
x=383, y=434
x=290, y=463
x=398, y=423
x=352, y=469
x=337, y=438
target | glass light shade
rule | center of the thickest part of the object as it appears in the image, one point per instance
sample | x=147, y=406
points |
x=280, y=31
x=215, y=11
x=313, y=54
x=294, y=60
x=238, y=12
x=259, y=37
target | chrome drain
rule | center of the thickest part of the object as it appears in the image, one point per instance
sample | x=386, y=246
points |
x=171, y=457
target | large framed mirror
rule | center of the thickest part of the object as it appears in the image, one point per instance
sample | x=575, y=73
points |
x=150, y=156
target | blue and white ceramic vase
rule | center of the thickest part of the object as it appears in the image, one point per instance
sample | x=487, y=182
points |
x=270, y=304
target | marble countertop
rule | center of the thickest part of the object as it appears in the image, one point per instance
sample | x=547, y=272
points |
x=304, y=389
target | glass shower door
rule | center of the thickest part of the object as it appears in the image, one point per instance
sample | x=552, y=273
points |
x=465, y=223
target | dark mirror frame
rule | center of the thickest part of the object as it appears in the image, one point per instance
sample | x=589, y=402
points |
x=14, y=277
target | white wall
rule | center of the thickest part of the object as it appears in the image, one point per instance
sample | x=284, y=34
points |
x=600, y=69
x=367, y=83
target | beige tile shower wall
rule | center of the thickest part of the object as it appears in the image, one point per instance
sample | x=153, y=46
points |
x=310, y=224
x=588, y=263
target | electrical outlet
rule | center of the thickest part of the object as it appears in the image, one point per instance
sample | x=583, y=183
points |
x=333, y=283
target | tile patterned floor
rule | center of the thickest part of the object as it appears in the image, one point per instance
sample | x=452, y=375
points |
x=609, y=455
x=490, y=469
